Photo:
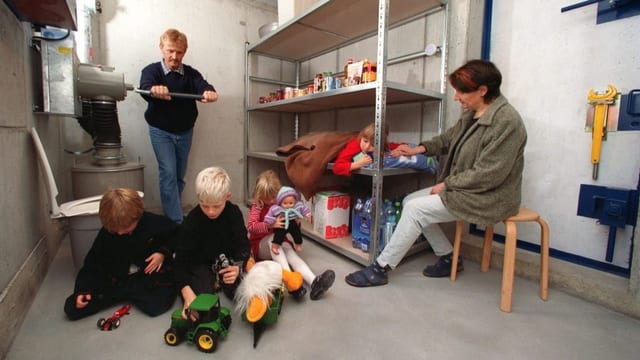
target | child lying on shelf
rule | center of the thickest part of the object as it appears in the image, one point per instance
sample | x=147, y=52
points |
x=418, y=161
x=358, y=153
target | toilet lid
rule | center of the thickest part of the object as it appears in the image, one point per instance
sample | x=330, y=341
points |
x=85, y=206
x=82, y=207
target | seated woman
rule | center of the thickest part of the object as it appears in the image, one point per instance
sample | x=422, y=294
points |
x=480, y=182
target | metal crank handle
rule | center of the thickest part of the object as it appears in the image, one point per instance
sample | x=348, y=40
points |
x=177, y=95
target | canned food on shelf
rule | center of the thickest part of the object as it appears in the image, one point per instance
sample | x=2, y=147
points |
x=288, y=92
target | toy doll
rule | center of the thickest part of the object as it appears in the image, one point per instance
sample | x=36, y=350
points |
x=288, y=205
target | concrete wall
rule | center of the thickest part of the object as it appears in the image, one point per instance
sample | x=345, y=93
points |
x=28, y=240
x=550, y=60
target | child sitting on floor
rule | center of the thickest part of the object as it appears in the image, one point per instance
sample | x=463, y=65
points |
x=212, y=228
x=130, y=260
x=261, y=235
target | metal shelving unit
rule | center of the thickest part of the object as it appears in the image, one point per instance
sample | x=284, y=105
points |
x=323, y=28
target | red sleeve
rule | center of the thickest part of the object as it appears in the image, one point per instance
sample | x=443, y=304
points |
x=393, y=146
x=256, y=224
x=257, y=228
x=342, y=165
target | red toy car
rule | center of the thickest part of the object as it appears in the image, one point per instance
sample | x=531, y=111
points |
x=114, y=321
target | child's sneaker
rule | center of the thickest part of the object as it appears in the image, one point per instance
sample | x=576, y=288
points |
x=321, y=284
x=299, y=294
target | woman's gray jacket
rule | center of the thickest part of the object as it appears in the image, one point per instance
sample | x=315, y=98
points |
x=483, y=169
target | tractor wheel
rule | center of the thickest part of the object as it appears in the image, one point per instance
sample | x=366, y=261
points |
x=206, y=340
x=172, y=337
x=226, y=322
x=101, y=322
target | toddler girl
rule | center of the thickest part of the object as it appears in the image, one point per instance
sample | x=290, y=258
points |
x=261, y=237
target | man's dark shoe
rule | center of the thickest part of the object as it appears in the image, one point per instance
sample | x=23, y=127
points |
x=299, y=294
x=442, y=268
x=321, y=284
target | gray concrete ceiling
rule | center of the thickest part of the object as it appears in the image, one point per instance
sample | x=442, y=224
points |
x=273, y=4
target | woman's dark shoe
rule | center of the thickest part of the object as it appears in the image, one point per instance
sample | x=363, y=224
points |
x=321, y=284
x=443, y=267
x=372, y=275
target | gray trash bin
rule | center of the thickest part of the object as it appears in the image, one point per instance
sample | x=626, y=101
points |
x=84, y=229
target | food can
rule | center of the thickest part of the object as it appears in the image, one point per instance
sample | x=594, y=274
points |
x=288, y=92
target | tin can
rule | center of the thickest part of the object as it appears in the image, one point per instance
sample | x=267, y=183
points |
x=310, y=88
x=317, y=82
x=279, y=94
x=288, y=92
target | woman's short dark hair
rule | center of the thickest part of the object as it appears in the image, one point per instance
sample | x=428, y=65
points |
x=475, y=73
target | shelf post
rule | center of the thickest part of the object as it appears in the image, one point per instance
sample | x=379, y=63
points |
x=380, y=125
x=247, y=191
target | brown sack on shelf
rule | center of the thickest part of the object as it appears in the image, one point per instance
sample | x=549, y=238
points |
x=307, y=157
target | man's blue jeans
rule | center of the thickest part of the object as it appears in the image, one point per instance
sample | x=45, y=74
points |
x=172, y=153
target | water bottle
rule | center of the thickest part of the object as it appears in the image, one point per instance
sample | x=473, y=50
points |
x=356, y=221
x=390, y=223
x=398, y=208
x=365, y=226
x=382, y=223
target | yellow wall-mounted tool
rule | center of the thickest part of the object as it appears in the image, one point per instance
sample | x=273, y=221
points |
x=601, y=102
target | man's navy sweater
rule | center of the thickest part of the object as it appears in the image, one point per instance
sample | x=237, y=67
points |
x=178, y=114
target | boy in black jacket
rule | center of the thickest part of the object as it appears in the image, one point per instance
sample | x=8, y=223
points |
x=130, y=260
x=214, y=227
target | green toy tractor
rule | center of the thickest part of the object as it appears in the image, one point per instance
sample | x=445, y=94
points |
x=212, y=323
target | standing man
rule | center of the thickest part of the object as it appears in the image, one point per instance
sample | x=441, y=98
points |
x=171, y=119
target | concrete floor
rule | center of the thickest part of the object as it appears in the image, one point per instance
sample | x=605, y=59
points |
x=411, y=318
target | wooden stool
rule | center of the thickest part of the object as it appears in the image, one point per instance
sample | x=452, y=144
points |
x=508, y=267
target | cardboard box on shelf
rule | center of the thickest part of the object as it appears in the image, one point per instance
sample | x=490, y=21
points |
x=331, y=215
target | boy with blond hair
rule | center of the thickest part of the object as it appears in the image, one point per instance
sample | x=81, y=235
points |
x=214, y=227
